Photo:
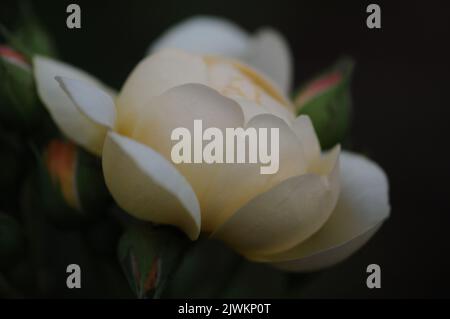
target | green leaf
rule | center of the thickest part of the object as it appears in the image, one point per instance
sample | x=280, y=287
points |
x=149, y=255
x=327, y=101
x=30, y=37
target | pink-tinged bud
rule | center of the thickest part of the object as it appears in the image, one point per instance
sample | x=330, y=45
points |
x=20, y=108
x=61, y=162
x=11, y=56
x=317, y=87
x=71, y=185
x=149, y=255
x=327, y=101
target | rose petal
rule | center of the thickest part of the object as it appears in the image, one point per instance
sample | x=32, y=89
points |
x=204, y=35
x=152, y=77
x=233, y=185
x=187, y=103
x=285, y=215
x=93, y=102
x=256, y=93
x=147, y=186
x=362, y=207
x=270, y=53
x=67, y=117
x=267, y=51
x=304, y=129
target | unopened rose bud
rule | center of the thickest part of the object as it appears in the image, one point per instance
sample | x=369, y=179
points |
x=148, y=256
x=71, y=183
x=12, y=241
x=19, y=105
x=327, y=101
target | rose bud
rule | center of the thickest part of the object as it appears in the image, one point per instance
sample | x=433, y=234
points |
x=148, y=256
x=327, y=101
x=12, y=241
x=71, y=183
x=19, y=106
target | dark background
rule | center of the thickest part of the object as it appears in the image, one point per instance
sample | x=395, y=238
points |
x=401, y=107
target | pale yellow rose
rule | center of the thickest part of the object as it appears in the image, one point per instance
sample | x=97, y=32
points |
x=315, y=211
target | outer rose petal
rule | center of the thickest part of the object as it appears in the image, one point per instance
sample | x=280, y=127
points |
x=304, y=129
x=361, y=209
x=285, y=215
x=153, y=76
x=67, y=117
x=267, y=51
x=147, y=186
x=243, y=182
x=270, y=53
x=204, y=34
x=93, y=102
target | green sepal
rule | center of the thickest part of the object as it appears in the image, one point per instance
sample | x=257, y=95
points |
x=149, y=255
x=327, y=101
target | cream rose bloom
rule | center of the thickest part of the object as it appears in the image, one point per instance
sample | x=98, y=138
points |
x=315, y=211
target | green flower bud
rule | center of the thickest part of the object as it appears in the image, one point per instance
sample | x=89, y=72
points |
x=327, y=101
x=148, y=256
x=12, y=241
x=19, y=106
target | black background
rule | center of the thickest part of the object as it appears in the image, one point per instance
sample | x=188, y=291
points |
x=401, y=107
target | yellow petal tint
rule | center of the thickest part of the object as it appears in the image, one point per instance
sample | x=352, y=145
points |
x=153, y=76
x=170, y=67
x=254, y=92
x=266, y=50
x=269, y=52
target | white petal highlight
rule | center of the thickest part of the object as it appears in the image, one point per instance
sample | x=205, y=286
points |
x=361, y=209
x=269, y=52
x=67, y=117
x=204, y=35
x=93, y=102
x=149, y=187
x=282, y=217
